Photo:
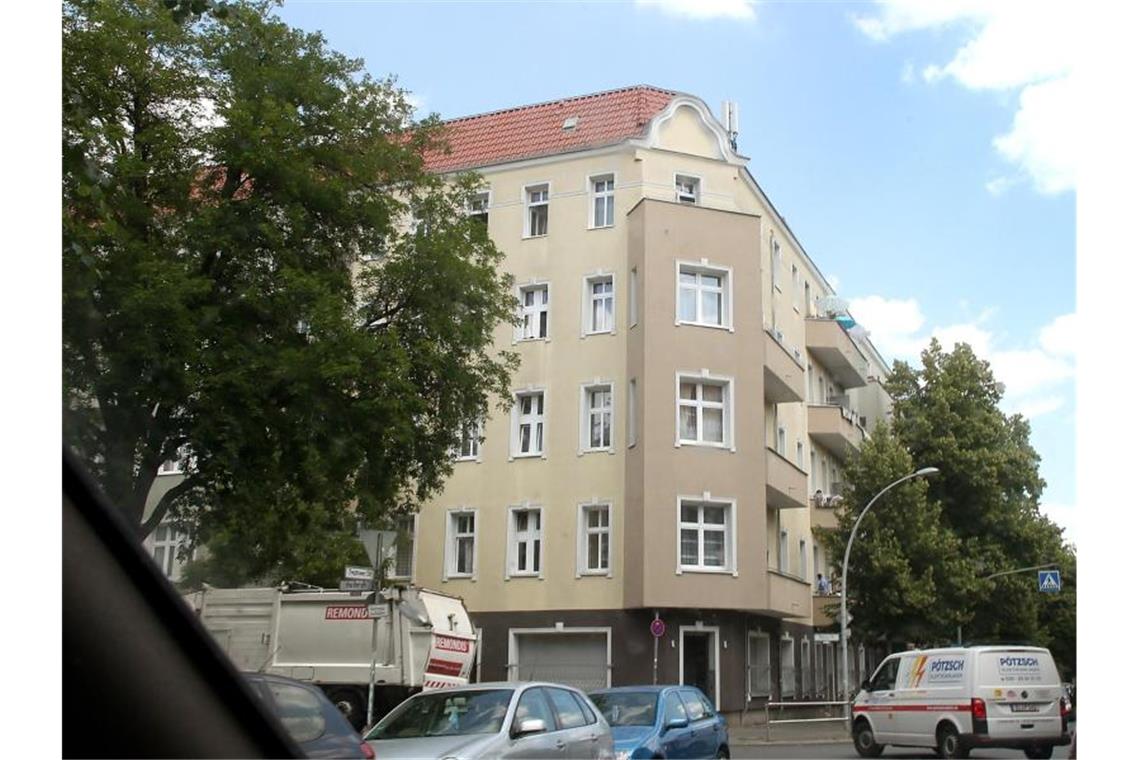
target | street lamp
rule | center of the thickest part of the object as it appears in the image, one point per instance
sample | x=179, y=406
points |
x=843, y=580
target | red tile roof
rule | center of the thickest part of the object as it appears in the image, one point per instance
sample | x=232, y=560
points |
x=604, y=118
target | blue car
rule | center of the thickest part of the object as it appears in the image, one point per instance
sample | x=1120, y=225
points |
x=662, y=721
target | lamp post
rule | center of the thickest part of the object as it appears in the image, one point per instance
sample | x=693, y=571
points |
x=843, y=581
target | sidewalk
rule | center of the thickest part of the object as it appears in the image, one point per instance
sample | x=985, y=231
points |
x=755, y=733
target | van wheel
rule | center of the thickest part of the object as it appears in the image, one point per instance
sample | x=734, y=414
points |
x=1039, y=753
x=865, y=743
x=949, y=743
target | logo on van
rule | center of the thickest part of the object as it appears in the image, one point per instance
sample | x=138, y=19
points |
x=1017, y=662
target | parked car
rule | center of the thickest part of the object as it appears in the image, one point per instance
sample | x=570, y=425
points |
x=315, y=723
x=662, y=721
x=1071, y=699
x=492, y=720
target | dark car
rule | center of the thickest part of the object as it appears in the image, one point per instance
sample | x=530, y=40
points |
x=318, y=727
x=662, y=721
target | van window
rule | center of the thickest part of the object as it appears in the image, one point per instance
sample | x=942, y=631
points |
x=1014, y=668
x=884, y=678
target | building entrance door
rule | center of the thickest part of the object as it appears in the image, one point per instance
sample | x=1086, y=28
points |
x=699, y=662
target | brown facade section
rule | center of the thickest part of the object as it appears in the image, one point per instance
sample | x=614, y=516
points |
x=631, y=649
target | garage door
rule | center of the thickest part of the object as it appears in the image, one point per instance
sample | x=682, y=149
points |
x=577, y=659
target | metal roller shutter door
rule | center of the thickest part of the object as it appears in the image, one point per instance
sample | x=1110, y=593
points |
x=577, y=659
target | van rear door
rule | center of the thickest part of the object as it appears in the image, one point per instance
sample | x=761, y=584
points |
x=1022, y=692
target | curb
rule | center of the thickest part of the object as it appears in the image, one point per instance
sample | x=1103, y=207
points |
x=782, y=742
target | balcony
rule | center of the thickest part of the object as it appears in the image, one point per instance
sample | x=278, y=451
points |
x=788, y=596
x=823, y=512
x=787, y=484
x=836, y=428
x=783, y=373
x=825, y=610
x=832, y=347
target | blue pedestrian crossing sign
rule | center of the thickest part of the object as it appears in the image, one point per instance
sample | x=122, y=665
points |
x=1049, y=581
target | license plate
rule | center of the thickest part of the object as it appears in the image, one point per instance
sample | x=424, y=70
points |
x=1023, y=708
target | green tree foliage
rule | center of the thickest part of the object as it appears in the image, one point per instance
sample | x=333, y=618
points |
x=979, y=515
x=222, y=178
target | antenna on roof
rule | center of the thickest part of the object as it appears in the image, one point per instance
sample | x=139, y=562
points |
x=731, y=119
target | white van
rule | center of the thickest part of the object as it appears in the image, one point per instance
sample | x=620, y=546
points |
x=955, y=699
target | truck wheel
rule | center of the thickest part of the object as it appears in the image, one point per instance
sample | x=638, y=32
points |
x=949, y=743
x=1039, y=753
x=865, y=743
x=349, y=702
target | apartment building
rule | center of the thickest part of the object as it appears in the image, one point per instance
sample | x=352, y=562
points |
x=689, y=389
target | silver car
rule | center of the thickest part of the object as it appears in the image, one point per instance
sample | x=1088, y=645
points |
x=522, y=720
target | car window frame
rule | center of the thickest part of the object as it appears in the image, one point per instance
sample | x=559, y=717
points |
x=548, y=691
x=696, y=698
x=665, y=717
x=551, y=727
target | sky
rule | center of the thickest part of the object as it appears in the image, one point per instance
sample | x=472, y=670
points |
x=923, y=153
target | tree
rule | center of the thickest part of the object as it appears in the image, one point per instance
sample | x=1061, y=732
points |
x=980, y=515
x=222, y=178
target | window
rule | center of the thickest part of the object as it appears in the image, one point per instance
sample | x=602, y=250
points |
x=166, y=542
x=530, y=417
x=807, y=300
x=705, y=535
x=534, y=303
x=532, y=704
x=566, y=708
x=787, y=667
x=803, y=560
x=800, y=454
x=694, y=705
x=537, y=210
x=602, y=193
x=597, y=418
x=759, y=665
x=469, y=440
x=299, y=709
x=177, y=465
x=704, y=411
x=599, y=305
x=885, y=676
x=594, y=539
x=461, y=544
x=633, y=297
x=805, y=667
x=405, y=546
x=795, y=285
x=688, y=189
x=479, y=206
x=525, y=541
x=782, y=556
x=820, y=683
x=631, y=421
x=703, y=295
x=775, y=265
x=782, y=441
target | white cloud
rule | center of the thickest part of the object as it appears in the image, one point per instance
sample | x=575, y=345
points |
x=1011, y=46
x=702, y=10
x=1033, y=375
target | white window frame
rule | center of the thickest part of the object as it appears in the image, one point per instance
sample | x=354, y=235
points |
x=536, y=310
x=531, y=535
x=474, y=436
x=534, y=418
x=714, y=630
x=415, y=520
x=588, y=298
x=799, y=453
x=698, y=186
x=473, y=204
x=609, y=194
x=631, y=414
x=528, y=204
x=452, y=536
x=699, y=268
x=795, y=287
x=804, y=560
x=171, y=565
x=782, y=551
x=777, y=265
x=584, y=533
x=787, y=685
x=703, y=377
x=633, y=296
x=805, y=667
x=587, y=412
x=729, y=529
x=765, y=652
x=174, y=466
x=782, y=441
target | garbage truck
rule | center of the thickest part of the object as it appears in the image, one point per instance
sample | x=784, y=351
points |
x=424, y=639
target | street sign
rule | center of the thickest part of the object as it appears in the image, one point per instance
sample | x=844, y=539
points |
x=1049, y=581
x=357, y=573
x=657, y=628
x=377, y=610
x=355, y=584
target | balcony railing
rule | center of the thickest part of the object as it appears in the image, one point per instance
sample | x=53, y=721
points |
x=836, y=428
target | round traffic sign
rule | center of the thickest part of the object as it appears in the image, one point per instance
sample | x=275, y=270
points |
x=657, y=627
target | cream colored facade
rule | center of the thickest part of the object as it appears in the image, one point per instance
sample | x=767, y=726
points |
x=797, y=388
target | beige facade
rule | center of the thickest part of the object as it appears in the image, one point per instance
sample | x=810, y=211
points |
x=788, y=389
